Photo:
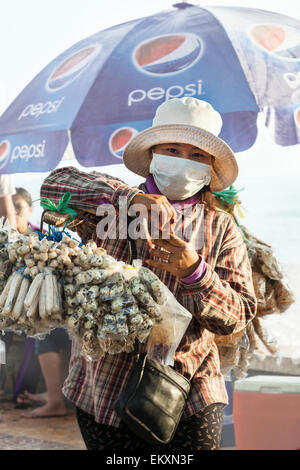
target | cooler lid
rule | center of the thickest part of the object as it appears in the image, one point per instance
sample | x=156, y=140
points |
x=268, y=384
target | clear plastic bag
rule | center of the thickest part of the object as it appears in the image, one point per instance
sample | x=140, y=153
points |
x=268, y=304
x=105, y=303
x=259, y=284
x=166, y=334
x=135, y=305
x=2, y=352
x=283, y=295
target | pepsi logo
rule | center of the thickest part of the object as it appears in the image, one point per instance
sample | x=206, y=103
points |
x=71, y=67
x=280, y=40
x=119, y=139
x=168, y=54
x=4, y=153
x=297, y=118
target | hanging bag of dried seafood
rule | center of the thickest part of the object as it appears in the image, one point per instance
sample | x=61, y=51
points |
x=272, y=292
x=110, y=304
x=31, y=300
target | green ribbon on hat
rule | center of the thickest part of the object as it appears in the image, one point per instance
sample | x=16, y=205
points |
x=62, y=207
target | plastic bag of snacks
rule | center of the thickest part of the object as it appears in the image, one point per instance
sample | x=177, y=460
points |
x=2, y=352
x=105, y=303
x=271, y=289
x=31, y=300
x=121, y=304
x=167, y=333
x=7, y=235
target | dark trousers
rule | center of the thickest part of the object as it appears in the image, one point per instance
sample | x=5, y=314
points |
x=201, y=431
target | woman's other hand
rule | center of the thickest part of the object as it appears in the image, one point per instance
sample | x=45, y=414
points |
x=174, y=255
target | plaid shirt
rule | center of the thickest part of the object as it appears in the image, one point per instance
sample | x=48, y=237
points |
x=222, y=302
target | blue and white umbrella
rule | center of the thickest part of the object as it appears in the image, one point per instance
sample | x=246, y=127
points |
x=106, y=88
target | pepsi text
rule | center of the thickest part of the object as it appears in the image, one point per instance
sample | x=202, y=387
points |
x=158, y=93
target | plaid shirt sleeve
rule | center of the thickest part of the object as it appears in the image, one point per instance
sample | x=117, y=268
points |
x=88, y=189
x=223, y=301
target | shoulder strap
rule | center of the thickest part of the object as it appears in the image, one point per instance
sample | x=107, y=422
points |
x=133, y=255
x=131, y=243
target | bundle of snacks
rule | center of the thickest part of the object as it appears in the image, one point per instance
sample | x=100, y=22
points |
x=7, y=235
x=284, y=297
x=103, y=302
x=229, y=348
x=121, y=304
x=271, y=288
x=31, y=301
x=102, y=309
x=272, y=292
x=33, y=306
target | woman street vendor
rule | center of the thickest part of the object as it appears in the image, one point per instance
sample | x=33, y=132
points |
x=183, y=161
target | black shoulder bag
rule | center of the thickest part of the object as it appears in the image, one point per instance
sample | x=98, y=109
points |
x=152, y=402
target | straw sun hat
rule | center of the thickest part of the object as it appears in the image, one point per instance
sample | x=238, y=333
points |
x=190, y=121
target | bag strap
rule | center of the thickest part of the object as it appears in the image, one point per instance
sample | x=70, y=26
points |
x=131, y=243
x=133, y=255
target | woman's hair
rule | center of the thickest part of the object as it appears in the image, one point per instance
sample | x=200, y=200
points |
x=25, y=195
x=208, y=199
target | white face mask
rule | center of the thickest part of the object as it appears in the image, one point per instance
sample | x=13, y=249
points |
x=178, y=178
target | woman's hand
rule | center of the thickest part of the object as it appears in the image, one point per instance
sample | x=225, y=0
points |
x=170, y=252
x=174, y=255
x=159, y=210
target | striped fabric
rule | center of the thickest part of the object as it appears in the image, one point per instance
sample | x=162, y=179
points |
x=222, y=302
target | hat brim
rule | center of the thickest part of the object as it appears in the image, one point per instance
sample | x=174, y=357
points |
x=137, y=154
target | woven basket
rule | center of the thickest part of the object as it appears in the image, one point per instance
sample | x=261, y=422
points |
x=55, y=218
x=59, y=220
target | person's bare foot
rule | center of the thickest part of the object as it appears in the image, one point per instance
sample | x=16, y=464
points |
x=26, y=399
x=36, y=397
x=46, y=411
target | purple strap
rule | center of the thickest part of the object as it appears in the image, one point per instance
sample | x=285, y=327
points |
x=27, y=355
